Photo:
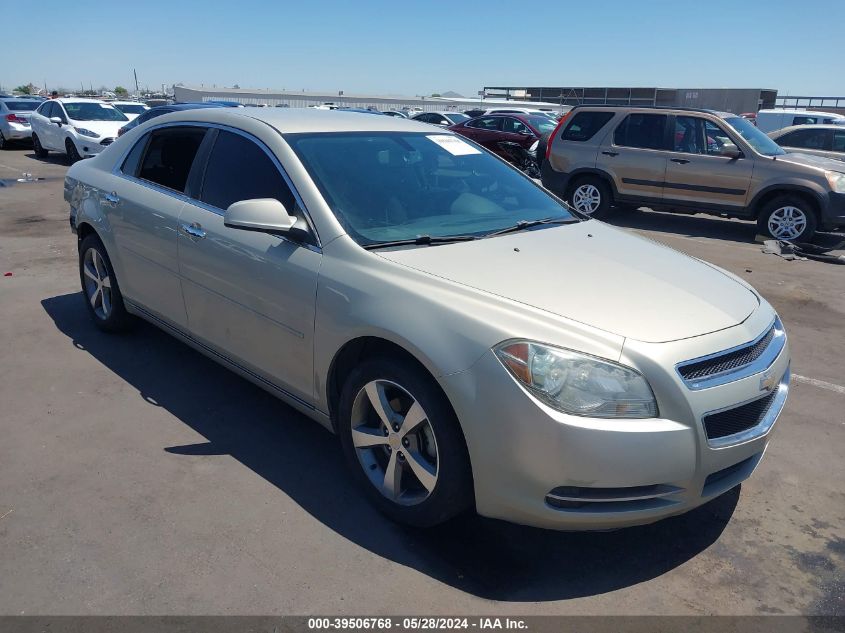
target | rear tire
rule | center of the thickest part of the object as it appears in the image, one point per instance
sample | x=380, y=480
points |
x=591, y=196
x=71, y=151
x=100, y=289
x=430, y=464
x=40, y=152
x=788, y=218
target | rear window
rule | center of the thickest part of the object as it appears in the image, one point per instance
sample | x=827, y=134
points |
x=22, y=106
x=584, y=125
x=644, y=131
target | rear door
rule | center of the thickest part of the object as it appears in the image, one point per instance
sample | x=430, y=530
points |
x=697, y=173
x=250, y=294
x=634, y=154
x=144, y=217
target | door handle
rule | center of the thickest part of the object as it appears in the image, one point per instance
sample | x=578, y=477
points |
x=611, y=153
x=112, y=199
x=680, y=161
x=194, y=229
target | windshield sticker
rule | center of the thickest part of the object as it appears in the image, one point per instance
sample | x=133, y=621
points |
x=453, y=145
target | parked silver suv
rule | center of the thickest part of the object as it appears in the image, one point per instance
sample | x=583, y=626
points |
x=689, y=160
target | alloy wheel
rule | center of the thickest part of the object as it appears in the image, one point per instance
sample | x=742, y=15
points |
x=394, y=442
x=97, y=283
x=787, y=223
x=586, y=199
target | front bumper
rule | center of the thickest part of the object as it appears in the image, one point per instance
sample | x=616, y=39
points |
x=89, y=146
x=537, y=466
x=833, y=214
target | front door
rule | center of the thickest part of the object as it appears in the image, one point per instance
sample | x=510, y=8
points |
x=697, y=173
x=249, y=295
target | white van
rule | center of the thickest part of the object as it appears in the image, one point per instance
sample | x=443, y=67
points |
x=771, y=120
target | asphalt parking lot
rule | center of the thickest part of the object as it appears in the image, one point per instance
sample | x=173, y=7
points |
x=139, y=477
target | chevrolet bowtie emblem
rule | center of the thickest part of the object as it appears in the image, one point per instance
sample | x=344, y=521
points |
x=767, y=381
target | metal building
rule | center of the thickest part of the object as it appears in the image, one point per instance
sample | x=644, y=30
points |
x=735, y=100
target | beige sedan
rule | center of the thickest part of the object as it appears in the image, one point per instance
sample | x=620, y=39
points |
x=474, y=344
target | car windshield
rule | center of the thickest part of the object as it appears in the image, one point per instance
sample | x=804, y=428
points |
x=387, y=186
x=457, y=117
x=542, y=123
x=755, y=138
x=22, y=106
x=131, y=108
x=80, y=111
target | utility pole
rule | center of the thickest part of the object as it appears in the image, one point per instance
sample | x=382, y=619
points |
x=135, y=72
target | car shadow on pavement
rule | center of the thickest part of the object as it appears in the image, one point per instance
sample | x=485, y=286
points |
x=701, y=225
x=53, y=158
x=487, y=558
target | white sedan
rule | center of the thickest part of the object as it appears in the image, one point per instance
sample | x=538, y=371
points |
x=80, y=128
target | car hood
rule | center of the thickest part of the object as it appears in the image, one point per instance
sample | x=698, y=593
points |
x=597, y=275
x=811, y=160
x=103, y=128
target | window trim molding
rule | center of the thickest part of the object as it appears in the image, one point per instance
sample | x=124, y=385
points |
x=117, y=171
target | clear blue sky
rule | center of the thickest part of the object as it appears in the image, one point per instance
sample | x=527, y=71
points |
x=422, y=46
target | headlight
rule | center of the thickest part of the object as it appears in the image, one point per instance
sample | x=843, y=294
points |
x=836, y=181
x=85, y=132
x=577, y=383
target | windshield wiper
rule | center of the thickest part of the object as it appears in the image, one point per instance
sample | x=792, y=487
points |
x=422, y=240
x=527, y=224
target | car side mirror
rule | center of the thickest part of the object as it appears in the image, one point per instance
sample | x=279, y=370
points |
x=56, y=120
x=729, y=150
x=260, y=214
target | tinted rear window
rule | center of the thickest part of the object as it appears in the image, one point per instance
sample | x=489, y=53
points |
x=646, y=131
x=22, y=106
x=584, y=125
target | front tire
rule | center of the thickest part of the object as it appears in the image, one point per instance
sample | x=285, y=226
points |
x=590, y=196
x=39, y=150
x=788, y=218
x=71, y=151
x=100, y=288
x=403, y=443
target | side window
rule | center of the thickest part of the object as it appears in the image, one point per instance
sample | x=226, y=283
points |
x=238, y=169
x=514, y=126
x=584, y=125
x=839, y=140
x=806, y=139
x=133, y=159
x=688, y=136
x=169, y=156
x=59, y=111
x=716, y=138
x=645, y=131
x=487, y=123
x=804, y=120
x=47, y=109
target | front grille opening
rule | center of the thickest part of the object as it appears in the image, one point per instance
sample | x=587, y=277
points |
x=739, y=418
x=725, y=479
x=727, y=362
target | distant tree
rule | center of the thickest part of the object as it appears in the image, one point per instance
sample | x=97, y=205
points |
x=435, y=94
x=236, y=87
x=24, y=90
x=121, y=91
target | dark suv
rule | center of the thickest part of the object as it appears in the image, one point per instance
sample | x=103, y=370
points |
x=690, y=160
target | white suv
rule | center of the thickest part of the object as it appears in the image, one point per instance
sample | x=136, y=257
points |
x=80, y=128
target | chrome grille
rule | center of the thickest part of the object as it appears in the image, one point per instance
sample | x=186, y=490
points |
x=739, y=418
x=732, y=360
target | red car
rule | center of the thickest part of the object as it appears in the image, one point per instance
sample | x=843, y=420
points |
x=491, y=129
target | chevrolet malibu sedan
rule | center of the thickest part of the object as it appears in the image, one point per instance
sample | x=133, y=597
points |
x=473, y=343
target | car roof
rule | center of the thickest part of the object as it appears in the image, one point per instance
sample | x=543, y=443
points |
x=799, y=111
x=13, y=98
x=79, y=100
x=295, y=120
x=607, y=106
x=122, y=102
